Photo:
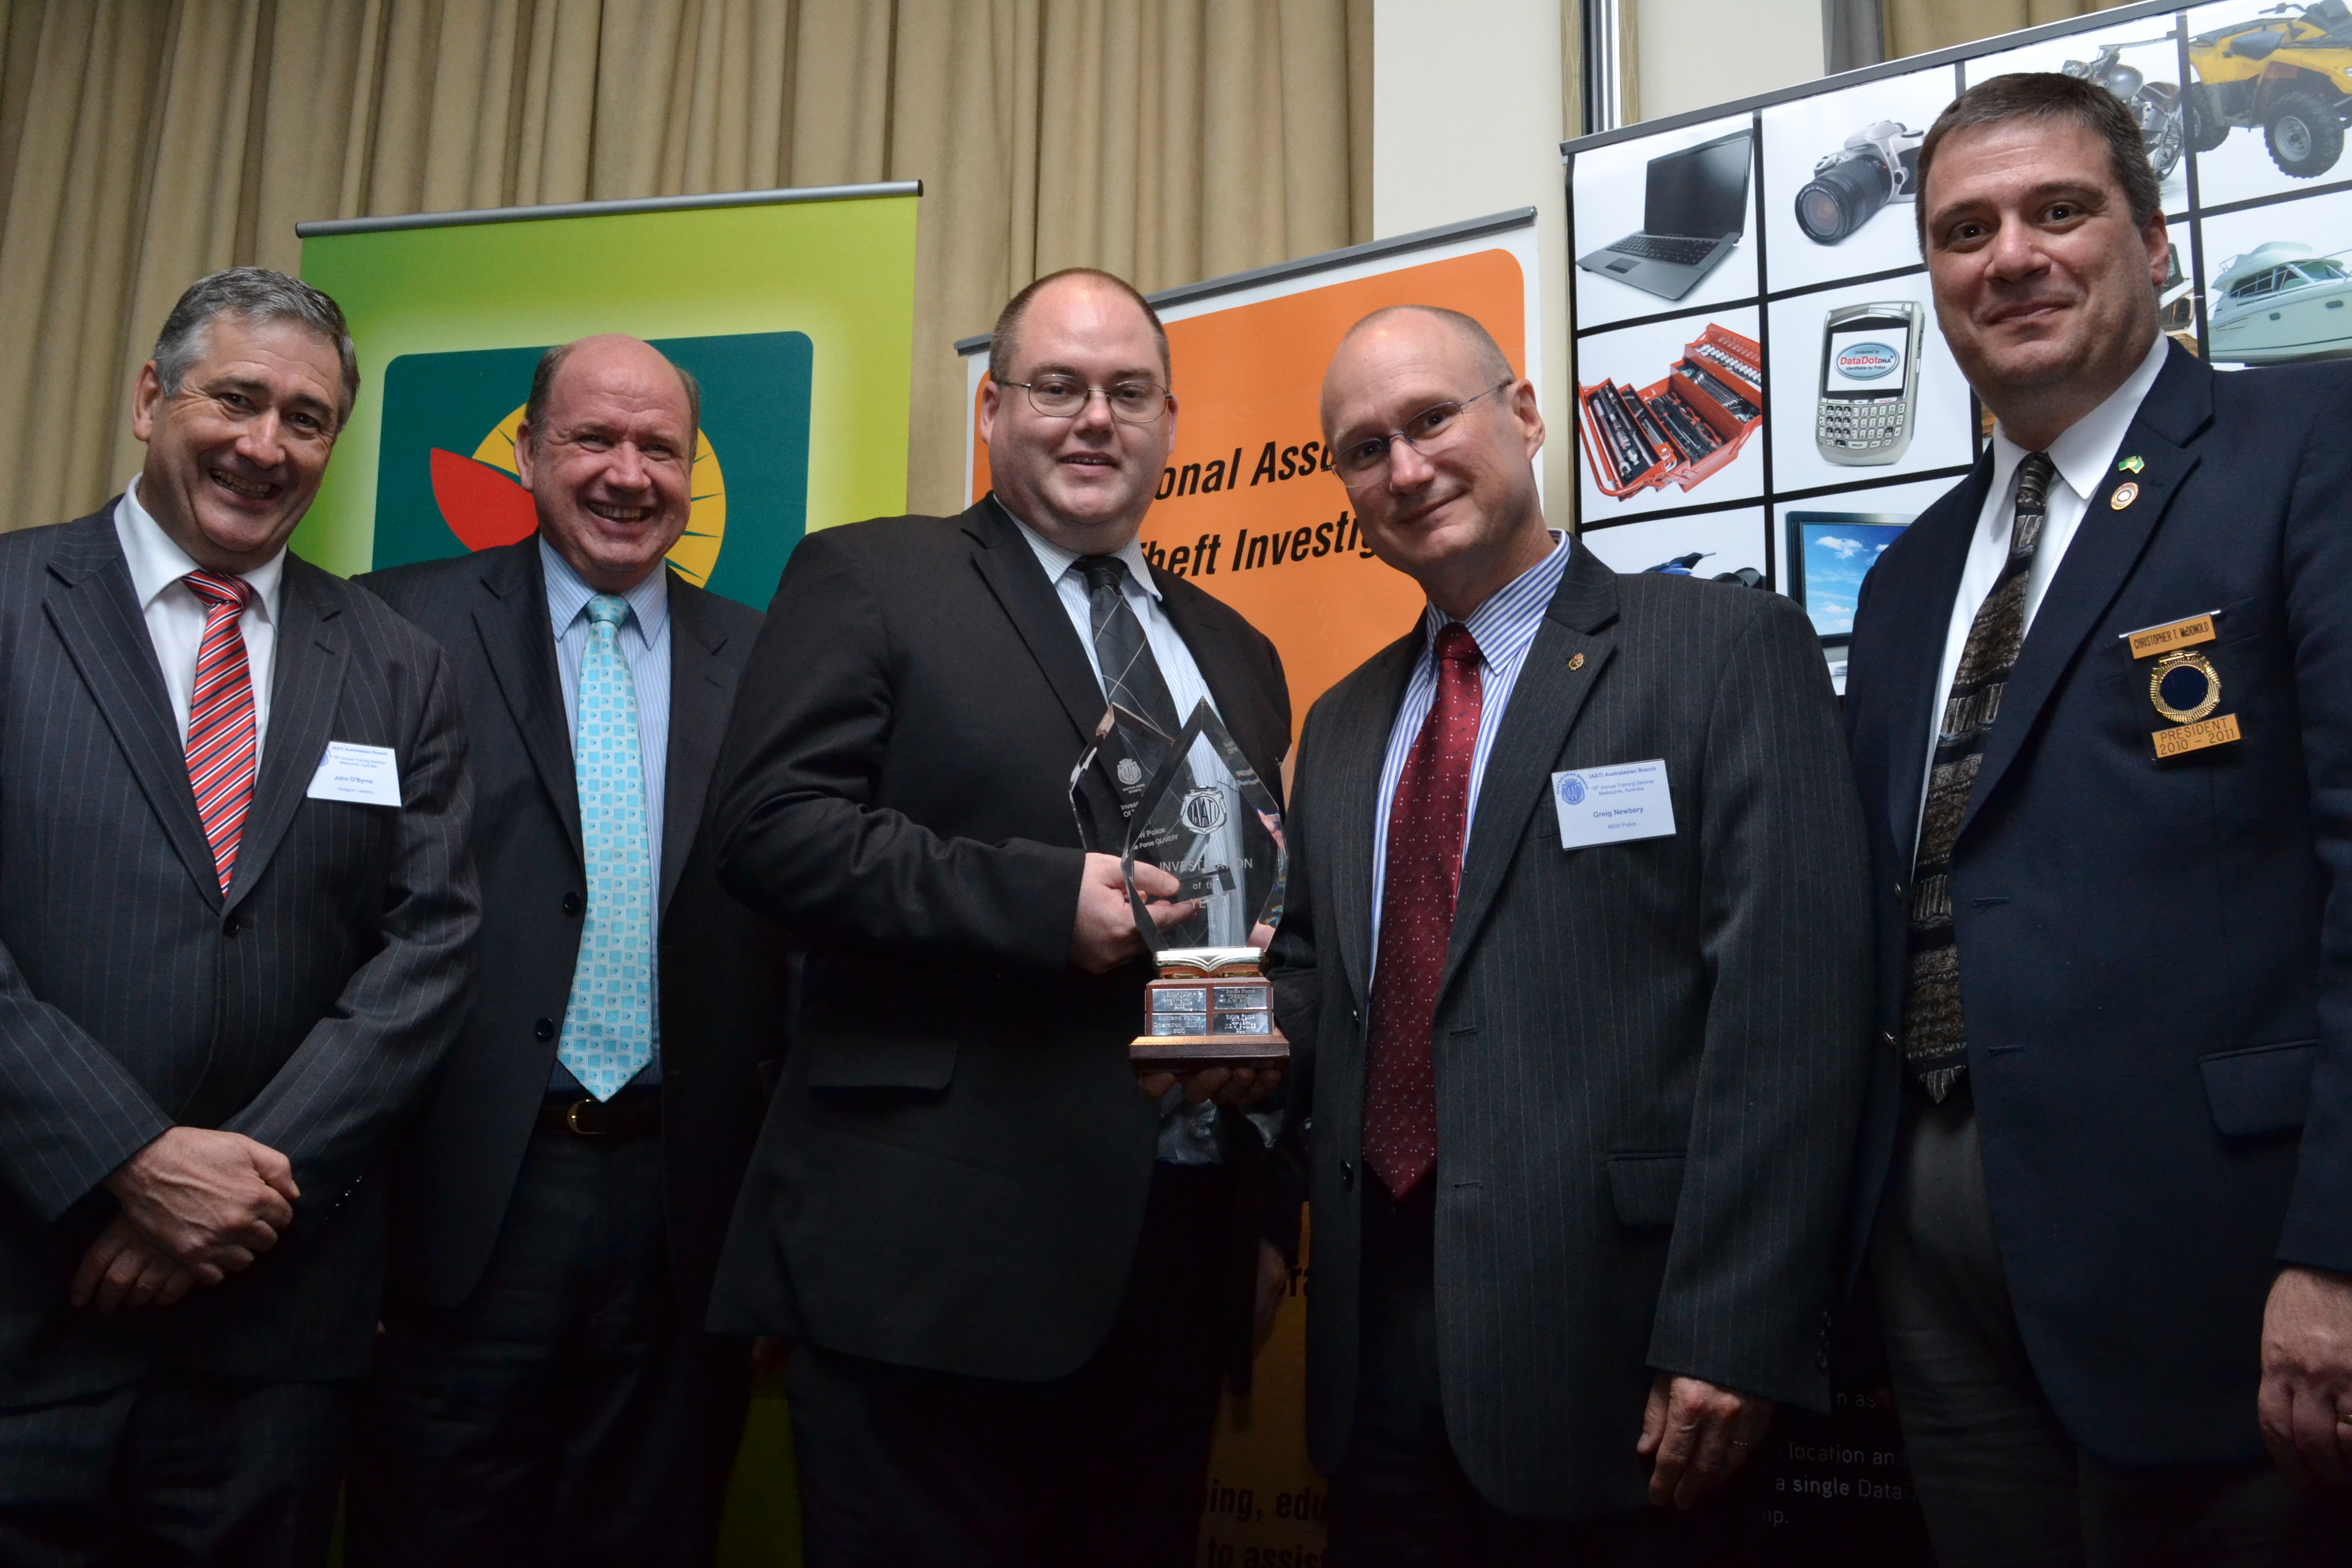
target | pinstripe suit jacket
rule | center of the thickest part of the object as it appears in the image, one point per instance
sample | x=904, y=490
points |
x=306, y=1009
x=1649, y=1055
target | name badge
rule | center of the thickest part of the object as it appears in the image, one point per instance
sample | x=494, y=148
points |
x=1612, y=804
x=2174, y=635
x=364, y=775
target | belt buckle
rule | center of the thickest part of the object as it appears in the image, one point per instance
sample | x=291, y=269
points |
x=572, y=1119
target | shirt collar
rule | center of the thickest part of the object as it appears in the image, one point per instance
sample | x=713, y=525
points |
x=567, y=596
x=157, y=561
x=1511, y=615
x=2084, y=450
x=1057, y=559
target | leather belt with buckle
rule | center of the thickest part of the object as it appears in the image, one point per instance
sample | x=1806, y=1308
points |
x=625, y=1115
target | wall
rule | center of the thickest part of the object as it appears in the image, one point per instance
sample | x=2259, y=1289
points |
x=1468, y=117
x=1693, y=53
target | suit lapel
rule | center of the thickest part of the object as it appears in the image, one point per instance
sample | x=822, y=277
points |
x=519, y=643
x=1545, y=702
x=305, y=687
x=1362, y=728
x=697, y=714
x=1235, y=695
x=1919, y=608
x=1010, y=567
x=2105, y=549
x=91, y=606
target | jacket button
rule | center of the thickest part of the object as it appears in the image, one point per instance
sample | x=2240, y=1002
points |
x=232, y=925
x=573, y=903
x=1347, y=1175
x=544, y=1029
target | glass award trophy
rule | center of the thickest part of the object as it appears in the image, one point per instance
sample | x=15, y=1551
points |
x=1195, y=808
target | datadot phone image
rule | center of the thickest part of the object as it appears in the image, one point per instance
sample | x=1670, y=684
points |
x=1870, y=379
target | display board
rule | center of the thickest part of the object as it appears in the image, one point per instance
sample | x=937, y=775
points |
x=1249, y=508
x=794, y=309
x=1769, y=246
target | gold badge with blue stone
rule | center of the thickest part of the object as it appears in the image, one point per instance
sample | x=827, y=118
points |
x=2183, y=686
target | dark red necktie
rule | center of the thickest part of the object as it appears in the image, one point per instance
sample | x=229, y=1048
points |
x=222, y=737
x=1426, y=820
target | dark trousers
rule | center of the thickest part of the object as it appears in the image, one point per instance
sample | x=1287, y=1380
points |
x=180, y=1468
x=1399, y=1499
x=567, y=1411
x=2002, y=1484
x=908, y=1468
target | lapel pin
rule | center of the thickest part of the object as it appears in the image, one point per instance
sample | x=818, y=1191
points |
x=2125, y=494
x=1576, y=661
x=2131, y=464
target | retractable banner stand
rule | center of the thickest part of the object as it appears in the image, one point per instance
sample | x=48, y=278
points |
x=1250, y=509
x=794, y=309
x=1761, y=385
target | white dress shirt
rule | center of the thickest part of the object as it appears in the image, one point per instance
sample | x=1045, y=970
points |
x=643, y=638
x=1188, y=1134
x=175, y=617
x=2083, y=456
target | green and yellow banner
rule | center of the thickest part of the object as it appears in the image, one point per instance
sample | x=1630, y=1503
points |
x=794, y=309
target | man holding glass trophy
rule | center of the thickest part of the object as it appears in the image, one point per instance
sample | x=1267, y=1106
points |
x=1011, y=1282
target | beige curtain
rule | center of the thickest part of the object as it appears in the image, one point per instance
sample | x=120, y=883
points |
x=144, y=142
x=1915, y=27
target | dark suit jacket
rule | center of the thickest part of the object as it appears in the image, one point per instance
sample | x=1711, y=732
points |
x=1648, y=1055
x=722, y=1002
x=953, y=1173
x=307, y=1009
x=2153, y=955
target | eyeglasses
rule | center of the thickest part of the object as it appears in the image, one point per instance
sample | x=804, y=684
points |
x=1064, y=397
x=1425, y=432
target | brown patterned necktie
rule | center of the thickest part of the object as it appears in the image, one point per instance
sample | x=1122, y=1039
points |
x=1935, y=1032
x=1427, y=818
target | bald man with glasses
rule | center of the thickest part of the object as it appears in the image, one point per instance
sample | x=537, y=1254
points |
x=1575, y=965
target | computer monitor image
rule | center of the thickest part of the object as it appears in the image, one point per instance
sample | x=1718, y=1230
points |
x=1827, y=555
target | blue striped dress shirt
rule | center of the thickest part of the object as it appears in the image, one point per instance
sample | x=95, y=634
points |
x=1504, y=627
x=645, y=645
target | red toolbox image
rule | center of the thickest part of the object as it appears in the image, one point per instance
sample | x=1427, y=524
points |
x=1678, y=430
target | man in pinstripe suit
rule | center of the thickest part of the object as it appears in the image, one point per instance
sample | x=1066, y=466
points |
x=1578, y=1097
x=237, y=916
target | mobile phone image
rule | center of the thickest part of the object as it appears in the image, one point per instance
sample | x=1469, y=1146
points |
x=1870, y=380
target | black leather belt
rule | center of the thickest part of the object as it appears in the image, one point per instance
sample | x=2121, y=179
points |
x=629, y=1115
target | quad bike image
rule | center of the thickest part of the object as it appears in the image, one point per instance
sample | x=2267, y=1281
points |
x=2287, y=76
x=2156, y=105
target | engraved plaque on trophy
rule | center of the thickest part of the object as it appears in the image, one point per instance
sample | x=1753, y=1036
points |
x=1197, y=809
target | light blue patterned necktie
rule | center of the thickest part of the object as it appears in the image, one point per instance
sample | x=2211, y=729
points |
x=608, y=1035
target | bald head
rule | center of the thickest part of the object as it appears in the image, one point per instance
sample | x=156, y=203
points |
x=607, y=454
x=1482, y=356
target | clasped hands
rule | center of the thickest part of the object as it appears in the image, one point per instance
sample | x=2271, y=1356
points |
x=1104, y=936
x=198, y=1205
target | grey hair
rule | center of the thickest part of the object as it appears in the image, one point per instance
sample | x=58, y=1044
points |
x=256, y=295
x=542, y=387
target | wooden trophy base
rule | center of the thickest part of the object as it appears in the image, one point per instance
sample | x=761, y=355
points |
x=1209, y=1008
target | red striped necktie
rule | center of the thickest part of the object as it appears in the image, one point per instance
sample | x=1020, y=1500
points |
x=222, y=740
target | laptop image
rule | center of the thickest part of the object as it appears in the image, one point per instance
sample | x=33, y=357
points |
x=1693, y=214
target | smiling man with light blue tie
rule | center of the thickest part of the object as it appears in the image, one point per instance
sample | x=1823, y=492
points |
x=560, y=1203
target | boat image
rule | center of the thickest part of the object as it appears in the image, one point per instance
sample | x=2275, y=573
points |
x=2280, y=301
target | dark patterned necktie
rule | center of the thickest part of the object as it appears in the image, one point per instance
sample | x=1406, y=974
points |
x=1426, y=822
x=224, y=738
x=1130, y=675
x=1935, y=1032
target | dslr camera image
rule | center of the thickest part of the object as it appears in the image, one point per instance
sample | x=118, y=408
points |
x=1878, y=165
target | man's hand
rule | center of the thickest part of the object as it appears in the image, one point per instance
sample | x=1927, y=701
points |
x=1273, y=1285
x=1236, y=1088
x=1699, y=1435
x=123, y=1269
x=1104, y=936
x=2305, y=1404
x=206, y=1198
